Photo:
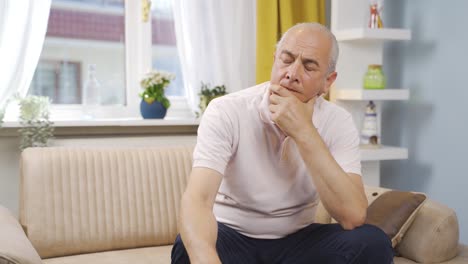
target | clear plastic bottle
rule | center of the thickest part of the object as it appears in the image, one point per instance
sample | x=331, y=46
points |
x=91, y=94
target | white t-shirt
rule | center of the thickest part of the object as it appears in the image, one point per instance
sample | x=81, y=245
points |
x=266, y=190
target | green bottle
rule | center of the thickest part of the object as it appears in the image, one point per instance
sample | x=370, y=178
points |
x=374, y=78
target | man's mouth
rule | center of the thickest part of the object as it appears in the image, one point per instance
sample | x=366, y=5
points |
x=289, y=89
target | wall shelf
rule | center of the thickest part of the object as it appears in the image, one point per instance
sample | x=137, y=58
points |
x=383, y=153
x=367, y=34
x=365, y=95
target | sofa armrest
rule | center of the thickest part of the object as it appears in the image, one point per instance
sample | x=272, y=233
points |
x=15, y=248
x=433, y=235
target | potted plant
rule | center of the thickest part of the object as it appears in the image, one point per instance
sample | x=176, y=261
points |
x=2, y=114
x=34, y=118
x=207, y=94
x=154, y=103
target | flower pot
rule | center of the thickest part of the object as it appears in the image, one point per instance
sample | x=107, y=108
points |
x=152, y=110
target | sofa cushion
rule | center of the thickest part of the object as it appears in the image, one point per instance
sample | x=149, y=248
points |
x=394, y=211
x=84, y=200
x=433, y=236
x=149, y=255
x=15, y=247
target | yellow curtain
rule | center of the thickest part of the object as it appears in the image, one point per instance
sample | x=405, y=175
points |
x=274, y=17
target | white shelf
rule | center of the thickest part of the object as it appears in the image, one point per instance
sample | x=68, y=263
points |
x=383, y=153
x=362, y=94
x=364, y=34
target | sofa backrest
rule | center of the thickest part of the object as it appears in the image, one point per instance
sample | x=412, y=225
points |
x=88, y=200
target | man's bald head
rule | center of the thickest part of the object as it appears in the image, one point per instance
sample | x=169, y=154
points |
x=334, y=51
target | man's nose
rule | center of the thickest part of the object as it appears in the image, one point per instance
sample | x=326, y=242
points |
x=292, y=74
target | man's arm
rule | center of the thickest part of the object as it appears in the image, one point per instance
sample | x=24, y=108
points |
x=197, y=224
x=342, y=194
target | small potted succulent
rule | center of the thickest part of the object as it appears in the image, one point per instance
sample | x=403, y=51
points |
x=154, y=103
x=207, y=94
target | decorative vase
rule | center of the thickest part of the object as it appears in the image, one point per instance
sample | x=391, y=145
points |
x=152, y=110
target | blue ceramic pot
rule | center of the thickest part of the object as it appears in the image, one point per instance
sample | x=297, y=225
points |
x=153, y=110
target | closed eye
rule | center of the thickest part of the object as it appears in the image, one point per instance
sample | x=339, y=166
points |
x=287, y=59
x=311, y=67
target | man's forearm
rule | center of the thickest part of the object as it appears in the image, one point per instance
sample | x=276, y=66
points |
x=339, y=194
x=199, y=229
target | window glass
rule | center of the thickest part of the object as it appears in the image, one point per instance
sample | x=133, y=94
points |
x=81, y=33
x=165, y=56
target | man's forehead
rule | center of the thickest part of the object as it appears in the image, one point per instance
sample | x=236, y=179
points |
x=309, y=42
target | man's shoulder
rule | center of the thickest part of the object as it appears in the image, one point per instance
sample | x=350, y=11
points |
x=333, y=109
x=241, y=99
x=331, y=114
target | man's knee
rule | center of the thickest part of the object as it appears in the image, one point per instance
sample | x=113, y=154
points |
x=377, y=244
x=179, y=254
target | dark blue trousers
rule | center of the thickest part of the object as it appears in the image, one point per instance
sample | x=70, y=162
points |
x=316, y=243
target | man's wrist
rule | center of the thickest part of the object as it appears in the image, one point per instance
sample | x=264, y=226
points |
x=304, y=134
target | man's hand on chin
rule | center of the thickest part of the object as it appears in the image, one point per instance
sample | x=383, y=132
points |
x=291, y=115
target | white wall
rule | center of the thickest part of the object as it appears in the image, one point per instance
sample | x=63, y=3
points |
x=433, y=124
x=9, y=170
x=10, y=155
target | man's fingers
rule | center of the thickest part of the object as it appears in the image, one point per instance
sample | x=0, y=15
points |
x=275, y=99
x=273, y=108
x=281, y=91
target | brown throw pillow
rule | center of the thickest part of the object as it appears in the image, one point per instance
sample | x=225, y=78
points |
x=394, y=211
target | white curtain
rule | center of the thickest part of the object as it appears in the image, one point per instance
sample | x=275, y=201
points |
x=23, y=25
x=216, y=44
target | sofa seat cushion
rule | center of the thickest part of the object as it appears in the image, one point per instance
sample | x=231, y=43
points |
x=461, y=258
x=153, y=255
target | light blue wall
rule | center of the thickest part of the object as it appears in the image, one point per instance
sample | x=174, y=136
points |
x=433, y=124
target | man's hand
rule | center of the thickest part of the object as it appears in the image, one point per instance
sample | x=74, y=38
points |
x=291, y=115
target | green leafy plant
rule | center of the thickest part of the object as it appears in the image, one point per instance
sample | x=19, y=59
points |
x=36, y=127
x=154, y=84
x=207, y=94
x=2, y=114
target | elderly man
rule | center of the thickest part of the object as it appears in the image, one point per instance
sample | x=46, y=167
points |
x=266, y=156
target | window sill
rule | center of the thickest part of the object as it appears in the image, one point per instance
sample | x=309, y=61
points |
x=127, y=126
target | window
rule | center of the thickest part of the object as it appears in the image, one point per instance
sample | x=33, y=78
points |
x=164, y=48
x=81, y=33
x=59, y=80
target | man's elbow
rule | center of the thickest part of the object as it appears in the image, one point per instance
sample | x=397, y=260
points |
x=356, y=219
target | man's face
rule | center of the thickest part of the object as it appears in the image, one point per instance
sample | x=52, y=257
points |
x=301, y=64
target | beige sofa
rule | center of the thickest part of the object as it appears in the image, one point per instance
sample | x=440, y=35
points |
x=120, y=206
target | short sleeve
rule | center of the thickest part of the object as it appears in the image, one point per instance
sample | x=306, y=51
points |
x=215, y=138
x=345, y=145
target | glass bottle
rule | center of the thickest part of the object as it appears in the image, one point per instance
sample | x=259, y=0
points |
x=374, y=77
x=91, y=94
x=369, y=133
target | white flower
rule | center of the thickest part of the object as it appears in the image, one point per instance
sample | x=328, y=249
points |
x=156, y=77
x=34, y=107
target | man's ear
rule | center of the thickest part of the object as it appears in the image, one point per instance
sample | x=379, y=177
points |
x=329, y=81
